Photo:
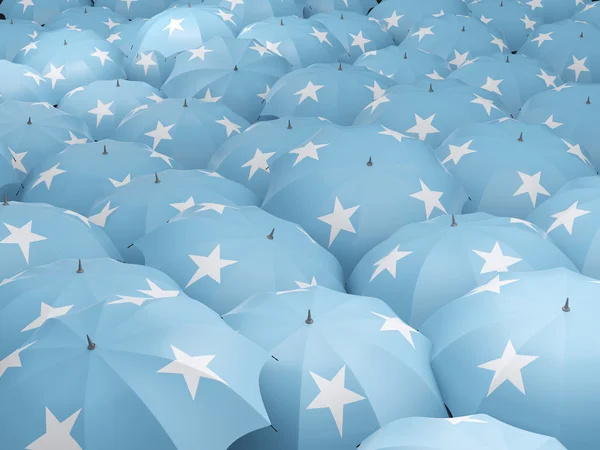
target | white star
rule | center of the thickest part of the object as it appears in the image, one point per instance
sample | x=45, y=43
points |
x=359, y=41
x=458, y=151
x=339, y=220
x=440, y=14
x=493, y=285
x=192, y=368
x=578, y=66
x=430, y=198
x=310, y=91
x=378, y=101
x=84, y=219
x=273, y=47
x=145, y=60
x=26, y=4
x=34, y=76
x=376, y=90
x=230, y=127
x=13, y=360
x=155, y=98
x=174, y=24
x=248, y=28
x=17, y=160
x=561, y=87
x=101, y=110
x=499, y=42
x=118, y=184
x=523, y=222
x=531, y=185
x=588, y=6
x=123, y=299
x=226, y=17
x=333, y=395
x=47, y=312
x=508, y=368
x=389, y=262
x=160, y=133
x=529, y=24
x=395, y=134
x=110, y=24
x=217, y=207
x=423, y=32
x=485, y=19
x=321, y=36
x=184, y=206
x=73, y=91
x=55, y=74
x=73, y=140
x=434, y=75
x=48, y=175
x=129, y=2
x=102, y=56
x=496, y=261
x=543, y=37
x=487, y=104
x=100, y=218
x=208, y=98
x=210, y=266
x=535, y=4
x=395, y=324
x=423, y=127
x=491, y=85
x=576, y=150
x=199, y=53
x=392, y=21
x=307, y=151
x=72, y=27
x=113, y=37
x=457, y=420
x=259, y=48
x=57, y=435
x=258, y=161
x=33, y=35
x=551, y=123
x=567, y=217
x=303, y=285
x=30, y=46
x=548, y=79
x=459, y=59
x=263, y=95
x=234, y=3
x=157, y=292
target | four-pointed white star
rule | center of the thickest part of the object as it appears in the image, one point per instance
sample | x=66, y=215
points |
x=496, y=261
x=258, y=161
x=210, y=266
x=430, y=198
x=508, y=368
x=567, y=217
x=389, y=262
x=17, y=160
x=395, y=134
x=310, y=91
x=57, y=435
x=499, y=42
x=531, y=185
x=487, y=104
x=339, y=220
x=549, y=80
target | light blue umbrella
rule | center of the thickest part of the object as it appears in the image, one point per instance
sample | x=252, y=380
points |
x=101, y=20
x=357, y=33
x=23, y=83
x=570, y=217
x=404, y=67
x=16, y=34
x=11, y=173
x=40, y=12
x=35, y=131
x=246, y=157
x=476, y=432
x=103, y=105
x=509, y=80
x=119, y=347
x=336, y=92
x=554, y=10
x=189, y=131
x=352, y=187
x=431, y=109
x=301, y=41
x=510, y=167
x=426, y=265
x=571, y=110
x=235, y=72
x=124, y=35
x=569, y=47
x=221, y=255
x=34, y=234
x=590, y=13
x=178, y=29
x=82, y=174
x=68, y=59
x=133, y=9
x=324, y=6
x=341, y=367
x=143, y=205
x=525, y=355
x=151, y=67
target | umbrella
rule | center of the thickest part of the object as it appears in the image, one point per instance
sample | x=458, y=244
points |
x=553, y=10
x=352, y=187
x=430, y=110
x=124, y=34
x=326, y=6
x=16, y=34
x=151, y=67
x=246, y=157
x=178, y=29
x=23, y=83
x=524, y=353
x=341, y=367
x=189, y=131
x=40, y=12
x=236, y=72
x=10, y=178
x=99, y=19
x=424, y=266
x=357, y=33
x=119, y=347
x=144, y=204
x=509, y=167
x=571, y=220
x=476, y=432
x=336, y=92
x=82, y=174
x=102, y=105
x=222, y=255
x=404, y=67
x=133, y=9
x=34, y=234
x=302, y=42
x=590, y=14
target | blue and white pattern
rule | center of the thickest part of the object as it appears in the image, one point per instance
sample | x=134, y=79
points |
x=40, y=13
x=101, y=20
x=150, y=67
x=16, y=34
x=24, y=83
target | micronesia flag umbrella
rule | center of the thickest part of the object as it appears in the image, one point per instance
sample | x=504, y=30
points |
x=221, y=255
x=554, y=10
x=115, y=356
x=38, y=11
x=11, y=173
x=150, y=67
x=236, y=72
x=352, y=187
x=336, y=92
x=150, y=201
x=99, y=19
x=509, y=167
x=325, y=6
x=124, y=35
x=16, y=34
x=476, y=432
x=341, y=367
x=23, y=83
x=82, y=174
x=571, y=219
x=133, y=9
x=590, y=14
x=425, y=265
x=526, y=354
x=34, y=234
x=189, y=131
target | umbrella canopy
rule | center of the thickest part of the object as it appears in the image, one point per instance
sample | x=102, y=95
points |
x=222, y=255
x=99, y=19
x=404, y=67
x=103, y=105
x=189, y=131
x=82, y=174
x=246, y=157
x=525, y=354
x=133, y=9
x=569, y=47
x=16, y=34
x=144, y=204
x=236, y=72
x=509, y=167
x=23, y=83
x=341, y=367
x=426, y=265
x=570, y=217
x=302, y=42
x=430, y=110
x=124, y=34
x=351, y=188
x=139, y=371
x=336, y=92
x=325, y=6
x=477, y=432
x=11, y=173
x=554, y=10
x=40, y=12
x=151, y=67
x=590, y=14
x=178, y=29
x=34, y=234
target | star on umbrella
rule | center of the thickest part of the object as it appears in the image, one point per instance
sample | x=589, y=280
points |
x=199, y=53
x=491, y=85
x=375, y=103
x=434, y=75
x=100, y=218
x=430, y=198
x=551, y=123
x=339, y=220
x=459, y=59
x=377, y=90
x=467, y=419
x=395, y=134
x=174, y=24
x=84, y=219
x=184, y=206
x=30, y=46
x=424, y=32
x=26, y=4
x=210, y=266
x=334, y=395
x=101, y=110
x=310, y=91
x=102, y=56
x=321, y=36
x=48, y=175
x=496, y=261
x=508, y=368
x=217, y=207
x=234, y=3
x=389, y=262
x=259, y=48
x=567, y=217
x=548, y=79
x=157, y=292
x=273, y=47
x=359, y=41
x=160, y=133
x=258, y=161
x=118, y=184
x=114, y=37
x=535, y=4
x=226, y=17
x=578, y=66
x=72, y=27
x=307, y=151
x=13, y=360
x=493, y=285
x=440, y=14
x=531, y=185
x=263, y=95
x=576, y=150
x=303, y=285
x=523, y=222
x=208, y=98
x=17, y=160
x=57, y=435
x=74, y=91
x=145, y=60
x=542, y=37
x=128, y=2
x=230, y=127
x=458, y=151
x=55, y=74
x=392, y=21
x=73, y=140
x=423, y=127
x=499, y=42
x=395, y=324
x=110, y=24
x=487, y=104
x=47, y=312
x=123, y=299
x=529, y=24
x=485, y=19
x=34, y=76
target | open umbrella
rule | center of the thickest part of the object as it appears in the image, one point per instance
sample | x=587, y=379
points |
x=133, y=9
x=151, y=67
x=101, y=20
x=325, y=6
x=16, y=34
x=23, y=83
x=40, y=12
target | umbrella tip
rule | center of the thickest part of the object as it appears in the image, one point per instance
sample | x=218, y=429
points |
x=29, y=121
x=340, y=66
x=370, y=162
x=463, y=28
x=520, y=137
x=65, y=42
x=453, y=224
x=289, y=127
x=581, y=35
x=104, y=151
x=271, y=235
x=189, y=4
x=118, y=84
x=430, y=87
x=5, y=201
x=79, y=267
x=507, y=59
x=342, y=16
x=281, y=23
x=235, y=68
x=156, y=179
x=85, y=10
x=309, y=319
x=501, y=3
x=91, y=345
x=185, y=105
x=11, y=22
x=587, y=102
x=404, y=57
x=566, y=308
